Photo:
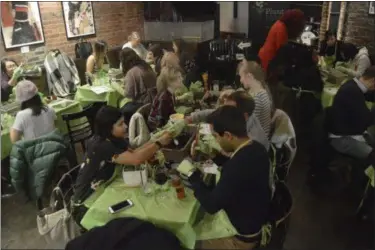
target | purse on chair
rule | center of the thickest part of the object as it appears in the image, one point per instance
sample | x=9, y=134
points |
x=57, y=226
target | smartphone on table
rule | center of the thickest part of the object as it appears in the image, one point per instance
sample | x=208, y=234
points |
x=120, y=206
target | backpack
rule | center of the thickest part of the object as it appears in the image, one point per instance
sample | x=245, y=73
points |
x=83, y=49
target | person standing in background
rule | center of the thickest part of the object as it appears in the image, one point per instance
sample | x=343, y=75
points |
x=291, y=22
x=134, y=42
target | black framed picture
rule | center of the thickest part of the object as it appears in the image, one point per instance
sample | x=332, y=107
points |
x=371, y=8
x=21, y=24
x=79, y=19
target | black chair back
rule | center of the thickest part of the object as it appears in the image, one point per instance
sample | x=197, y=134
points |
x=113, y=57
x=81, y=67
x=81, y=125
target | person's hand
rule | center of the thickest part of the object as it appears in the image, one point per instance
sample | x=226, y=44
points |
x=192, y=148
x=195, y=177
x=206, y=95
x=342, y=69
x=165, y=139
x=17, y=72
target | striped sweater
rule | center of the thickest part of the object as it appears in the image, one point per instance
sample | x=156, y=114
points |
x=263, y=108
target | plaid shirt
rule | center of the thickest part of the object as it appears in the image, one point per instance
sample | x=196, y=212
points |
x=162, y=108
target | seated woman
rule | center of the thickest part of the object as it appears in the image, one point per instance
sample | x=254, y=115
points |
x=10, y=74
x=96, y=60
x=35, y=119
x=330, y=49
x=171, y=60
x=139, y=77
x=359, y=60
x=106, y=149
x=163, y=105
x=154, y=56
x=253, y=80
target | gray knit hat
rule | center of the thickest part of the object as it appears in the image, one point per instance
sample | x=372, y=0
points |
x=25, y=90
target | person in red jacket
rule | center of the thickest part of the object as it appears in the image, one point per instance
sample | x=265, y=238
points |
x=291, y=23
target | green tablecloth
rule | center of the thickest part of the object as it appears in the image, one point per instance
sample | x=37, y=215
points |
x=60, y=108
x=85, y=95
x=175, y=215
x=178, y=216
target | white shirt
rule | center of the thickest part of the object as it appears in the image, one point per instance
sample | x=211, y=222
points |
x=140, y=49
x=35, y=126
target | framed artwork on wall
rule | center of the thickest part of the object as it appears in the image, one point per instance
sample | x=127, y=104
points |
x=371, y=8
x=21, y=24
x=79, y=19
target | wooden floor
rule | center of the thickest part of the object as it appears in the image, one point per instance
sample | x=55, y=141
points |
x=317, y=222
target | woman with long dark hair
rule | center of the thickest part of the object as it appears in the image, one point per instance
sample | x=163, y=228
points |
x=10, y=74
x=139, y=77
x=289, y=26
x=106, y=149
x=35, y=119
x=357, y=59
x=154, y=56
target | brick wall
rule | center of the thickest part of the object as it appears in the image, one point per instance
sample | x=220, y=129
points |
x=360, y=26
x=355, y=24
x=324, y=20
x=113, y=22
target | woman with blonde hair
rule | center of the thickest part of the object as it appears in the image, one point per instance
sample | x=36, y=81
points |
x=162, y=107
x=253, y=78
x=171, y=60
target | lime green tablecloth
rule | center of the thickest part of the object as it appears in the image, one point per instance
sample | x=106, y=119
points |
x=371, y=175
x=60, y=108
x=329, y=93
x=175, y=215
x=85, y=95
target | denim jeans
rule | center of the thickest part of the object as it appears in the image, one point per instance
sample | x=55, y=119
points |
x=350, y=146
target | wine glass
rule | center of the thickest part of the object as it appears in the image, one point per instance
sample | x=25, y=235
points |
x=161, y=178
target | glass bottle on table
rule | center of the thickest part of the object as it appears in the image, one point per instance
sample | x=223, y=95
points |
x=180, y=191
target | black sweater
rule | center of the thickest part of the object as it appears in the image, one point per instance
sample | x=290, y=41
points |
x=243, y=190
x=349, y=114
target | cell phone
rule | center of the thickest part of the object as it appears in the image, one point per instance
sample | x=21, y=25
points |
x=120, y=206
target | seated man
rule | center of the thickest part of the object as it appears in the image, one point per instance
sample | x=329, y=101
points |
x=350, y=117
x=244, y=190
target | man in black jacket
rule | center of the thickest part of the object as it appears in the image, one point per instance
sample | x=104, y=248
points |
x=244, y=189
x=350, y=117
